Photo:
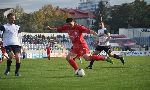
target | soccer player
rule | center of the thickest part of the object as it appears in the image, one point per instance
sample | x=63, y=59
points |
x=48, y=50
x=103, y=44
x=11, y=42
x=23, y=53
x=80, y=46
x=4, y=54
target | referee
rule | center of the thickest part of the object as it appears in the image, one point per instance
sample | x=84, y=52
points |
x=11, y=42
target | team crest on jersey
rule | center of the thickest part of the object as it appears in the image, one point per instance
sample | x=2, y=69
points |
x=75, y=33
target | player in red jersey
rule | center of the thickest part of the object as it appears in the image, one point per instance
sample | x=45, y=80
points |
x=48, y=50
x=80, y=46
x=4, y=54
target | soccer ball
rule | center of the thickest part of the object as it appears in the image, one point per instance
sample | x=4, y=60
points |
x=80, y=73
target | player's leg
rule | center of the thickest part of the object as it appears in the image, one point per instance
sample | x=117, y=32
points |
x=2, y=57
x=69, y=58
x=92, y=62
x=23, y=55
x=6, y=56
x=97, y=58
x=9, y=61
x=75, y=57
x=94, y=56
x=117, y=57
x=17, y=52
x=109, y=52
x=48, y=56
x=1, y=60
x=80, y=59
x=18, y=63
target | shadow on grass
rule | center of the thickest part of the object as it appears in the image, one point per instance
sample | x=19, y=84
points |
x=11, y=77
x=60, y=76
x=115, y=67
x=52, y=70
x=58, y=69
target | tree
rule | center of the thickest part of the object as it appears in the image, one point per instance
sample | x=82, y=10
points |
x=101, y=14
x=18, y=11
x=47, y=15
x=38, y=20
x=135, y=14
x=120, y=17
x=140, y=14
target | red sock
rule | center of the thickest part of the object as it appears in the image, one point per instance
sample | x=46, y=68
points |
x=73, y=64
x=49, y=57
x=97, y=58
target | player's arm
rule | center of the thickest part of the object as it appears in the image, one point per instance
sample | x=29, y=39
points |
x=50, y=28
x=102, y=25
x=108, y=36
x=96, y=40
x=2, y=28
x=58, y=29
x=93, y=32
x=87, y=30
x=19, y=29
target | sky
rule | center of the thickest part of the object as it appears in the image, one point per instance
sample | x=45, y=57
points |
x=34, y=5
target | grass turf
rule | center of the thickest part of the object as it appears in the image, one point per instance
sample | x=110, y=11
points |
x=57, y=74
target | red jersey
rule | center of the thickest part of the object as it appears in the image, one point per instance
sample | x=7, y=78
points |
x=76, y=37
x=48, y=49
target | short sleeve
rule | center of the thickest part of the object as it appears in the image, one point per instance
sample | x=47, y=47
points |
x=106, y=32
x=62, y=28
x=83, y=29
x=18, y=28
x=2, y=28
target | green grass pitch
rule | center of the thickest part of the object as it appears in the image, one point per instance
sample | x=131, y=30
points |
x=57, y=74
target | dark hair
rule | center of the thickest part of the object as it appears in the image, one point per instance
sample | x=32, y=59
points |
x=68, y=20
x=10, y=14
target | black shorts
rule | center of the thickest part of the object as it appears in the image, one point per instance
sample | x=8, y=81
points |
x=14, y=48
x=105, y=48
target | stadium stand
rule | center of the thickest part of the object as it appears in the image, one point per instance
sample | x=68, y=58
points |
x=59, y=41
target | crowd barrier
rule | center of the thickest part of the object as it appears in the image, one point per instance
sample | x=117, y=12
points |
x=132, y=53
x=129, y=53
x=123, y=53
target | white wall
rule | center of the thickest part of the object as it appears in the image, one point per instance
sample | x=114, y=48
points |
x=135, y=32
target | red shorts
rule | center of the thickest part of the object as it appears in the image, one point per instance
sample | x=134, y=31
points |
x=80, y=51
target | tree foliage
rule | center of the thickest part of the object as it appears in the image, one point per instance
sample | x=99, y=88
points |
x=38, y=20
x=135, y=14
x=101, y=14
x=48, y=15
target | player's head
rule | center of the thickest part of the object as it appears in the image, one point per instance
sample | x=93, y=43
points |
x=70, y=21
x=11, y=18
x=101, y=25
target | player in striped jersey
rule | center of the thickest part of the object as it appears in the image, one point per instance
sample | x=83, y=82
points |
x=103, y=44
x=11, y=42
